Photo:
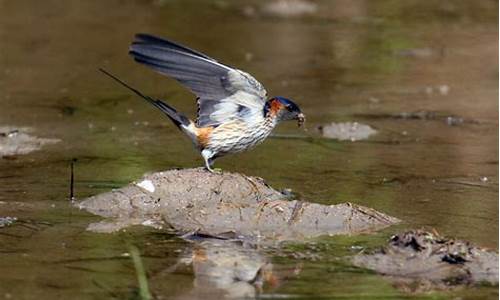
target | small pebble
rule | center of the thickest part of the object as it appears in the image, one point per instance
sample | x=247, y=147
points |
x=248, y=56
x=443, y=89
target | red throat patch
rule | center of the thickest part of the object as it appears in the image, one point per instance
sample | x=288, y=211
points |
x=276, y=106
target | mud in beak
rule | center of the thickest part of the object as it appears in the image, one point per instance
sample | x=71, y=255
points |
x=301, y=119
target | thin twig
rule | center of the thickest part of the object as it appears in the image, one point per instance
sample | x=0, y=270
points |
x=72, y=181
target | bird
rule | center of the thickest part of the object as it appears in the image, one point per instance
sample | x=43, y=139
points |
x=233, y=112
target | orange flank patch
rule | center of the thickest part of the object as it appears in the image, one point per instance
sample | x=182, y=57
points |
x=203, y=135
x=199, y=256
x=276, y=106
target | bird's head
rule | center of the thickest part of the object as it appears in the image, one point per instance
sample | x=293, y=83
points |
x=283, y=109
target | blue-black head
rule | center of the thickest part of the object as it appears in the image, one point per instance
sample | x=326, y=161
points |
x=284, y=109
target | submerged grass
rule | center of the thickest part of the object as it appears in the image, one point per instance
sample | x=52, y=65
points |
x=142, y=278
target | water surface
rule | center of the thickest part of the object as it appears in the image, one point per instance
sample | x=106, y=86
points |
x=361, y=61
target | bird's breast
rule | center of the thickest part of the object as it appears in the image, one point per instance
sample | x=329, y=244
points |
x=237, y=136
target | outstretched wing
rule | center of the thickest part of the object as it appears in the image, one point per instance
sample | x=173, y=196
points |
x=224, y=93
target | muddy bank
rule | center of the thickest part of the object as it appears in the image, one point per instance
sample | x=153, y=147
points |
x=419, y=261
x=228, y=205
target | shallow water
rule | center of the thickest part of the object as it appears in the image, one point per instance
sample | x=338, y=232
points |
x=350, y=61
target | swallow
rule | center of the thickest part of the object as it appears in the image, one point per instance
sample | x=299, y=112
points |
x=234, y=113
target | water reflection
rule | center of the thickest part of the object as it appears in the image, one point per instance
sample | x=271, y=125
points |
x=227, y=269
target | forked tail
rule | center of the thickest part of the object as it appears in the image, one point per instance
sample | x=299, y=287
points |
x=176, y=117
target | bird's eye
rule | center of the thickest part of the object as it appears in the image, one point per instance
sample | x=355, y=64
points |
x=289, y=107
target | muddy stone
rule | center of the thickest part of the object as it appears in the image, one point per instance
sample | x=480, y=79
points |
x=289, y=8
x=349, y=131
x=17, y=141
x=226, y=205
x=420, y=260
x=424, y=115
x=7, y=221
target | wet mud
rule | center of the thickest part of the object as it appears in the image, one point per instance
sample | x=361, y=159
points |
x=7, y=221
x=227, y=205
x=19, y=141
x=349, y=131
x=418, y=261
x=423, y=115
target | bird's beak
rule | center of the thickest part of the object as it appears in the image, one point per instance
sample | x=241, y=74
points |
x=301, y=119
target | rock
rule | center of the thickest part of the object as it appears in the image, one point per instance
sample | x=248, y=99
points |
x=349, y=131
x=419, y=260
x=7, y=221
x=228, y=205
x=289, y=8
x=17, y=141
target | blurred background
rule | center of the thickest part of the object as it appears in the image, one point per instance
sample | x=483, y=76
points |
x=423, y=75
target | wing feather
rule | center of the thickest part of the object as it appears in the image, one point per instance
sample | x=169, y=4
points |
x=222, y=91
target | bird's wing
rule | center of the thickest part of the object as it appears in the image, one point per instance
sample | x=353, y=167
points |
x=224, y=93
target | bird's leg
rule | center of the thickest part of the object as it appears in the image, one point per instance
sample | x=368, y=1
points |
x=211, y=168
x=208, y=165
x=209, y=160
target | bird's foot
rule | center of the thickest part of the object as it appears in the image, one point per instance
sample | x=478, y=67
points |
x=214, y=170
